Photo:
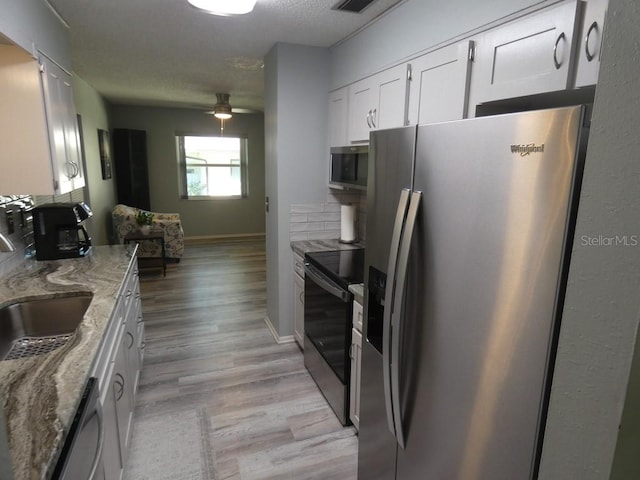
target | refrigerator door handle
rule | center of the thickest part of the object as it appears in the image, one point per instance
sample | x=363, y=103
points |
x=396, y=237
x=397, y=313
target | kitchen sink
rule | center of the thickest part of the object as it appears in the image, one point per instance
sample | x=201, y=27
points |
x=38, y=326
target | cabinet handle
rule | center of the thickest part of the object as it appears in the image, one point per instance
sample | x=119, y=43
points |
x=301, y=297
x=590, y=56
x=369, y=119
x=140, y=319
x=143, y=345
x=373, y=117
x=132, y=341
x=555, y=51
x=121, y=385
x=69, y=169
x=128, y=294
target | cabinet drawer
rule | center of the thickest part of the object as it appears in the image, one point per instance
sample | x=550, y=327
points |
x=298, y=265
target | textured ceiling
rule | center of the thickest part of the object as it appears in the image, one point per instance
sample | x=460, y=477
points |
x=167, y=53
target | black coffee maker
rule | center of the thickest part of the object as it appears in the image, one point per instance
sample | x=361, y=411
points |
x=58, y=230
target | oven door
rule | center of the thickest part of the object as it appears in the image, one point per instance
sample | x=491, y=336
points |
x=327, y=320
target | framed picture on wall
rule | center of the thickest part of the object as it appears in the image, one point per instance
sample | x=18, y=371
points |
x=105, y=153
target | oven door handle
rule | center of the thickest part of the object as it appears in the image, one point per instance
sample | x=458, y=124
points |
x=324, y=283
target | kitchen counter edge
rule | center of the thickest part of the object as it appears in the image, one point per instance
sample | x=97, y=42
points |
x=303, y=246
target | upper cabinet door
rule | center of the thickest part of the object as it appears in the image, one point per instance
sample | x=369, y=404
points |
x=63, y=127
x=376, y=102
x=527, y=56
x=361, y=100
x=590, y=42
x=26, y=165
x=392, y=90
x=439, y=85
x=338, y=100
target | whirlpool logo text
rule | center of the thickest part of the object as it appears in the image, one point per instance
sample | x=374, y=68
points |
x=528, y=149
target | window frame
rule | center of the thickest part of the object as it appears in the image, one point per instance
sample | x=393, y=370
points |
x=243, y=166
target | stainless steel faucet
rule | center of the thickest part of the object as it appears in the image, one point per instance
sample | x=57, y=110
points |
x=6, y=245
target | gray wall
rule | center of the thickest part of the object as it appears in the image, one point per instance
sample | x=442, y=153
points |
x=99, y=194
x=296, y=109
x=200, y=218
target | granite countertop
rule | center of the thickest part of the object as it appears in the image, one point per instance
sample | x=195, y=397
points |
x=39, y=395
x=303, y=246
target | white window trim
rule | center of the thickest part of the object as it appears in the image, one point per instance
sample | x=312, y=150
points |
x=182, y=169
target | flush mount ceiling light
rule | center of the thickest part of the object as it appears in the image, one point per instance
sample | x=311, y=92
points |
x=224, y=7
x=222, y=109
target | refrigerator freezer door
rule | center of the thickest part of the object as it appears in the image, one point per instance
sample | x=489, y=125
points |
x=484, y=278
x=391, y=157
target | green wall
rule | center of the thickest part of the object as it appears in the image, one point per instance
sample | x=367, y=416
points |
x=99, y=194
x=200, y=218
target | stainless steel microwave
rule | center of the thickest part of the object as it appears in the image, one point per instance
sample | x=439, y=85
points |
x=349, y=167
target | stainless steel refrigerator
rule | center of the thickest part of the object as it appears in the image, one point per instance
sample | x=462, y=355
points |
x=469, y=229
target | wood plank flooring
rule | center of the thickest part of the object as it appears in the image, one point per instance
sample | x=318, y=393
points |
x=208, y=349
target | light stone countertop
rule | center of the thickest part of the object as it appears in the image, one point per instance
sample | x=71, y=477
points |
x=303, y=246
x=39, y=395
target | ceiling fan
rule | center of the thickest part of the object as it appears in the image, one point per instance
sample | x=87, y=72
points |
x=223, y=109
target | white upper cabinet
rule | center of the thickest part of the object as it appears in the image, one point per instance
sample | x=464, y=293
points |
x=361, y=110
x=439, y=84
x=338, y=100
x=63, y=126
x=376, y=102
x=590, y=42
x=527, y=56
x=39, y=134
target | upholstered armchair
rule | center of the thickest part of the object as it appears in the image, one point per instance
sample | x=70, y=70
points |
x=124, y=221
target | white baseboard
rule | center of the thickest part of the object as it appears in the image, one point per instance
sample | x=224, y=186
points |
x=279, y=340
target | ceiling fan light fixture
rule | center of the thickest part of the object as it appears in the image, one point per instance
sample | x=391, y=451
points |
x=222, y=109
x=224, y=8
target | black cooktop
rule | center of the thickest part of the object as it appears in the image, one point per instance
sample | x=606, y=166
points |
x=343, y=266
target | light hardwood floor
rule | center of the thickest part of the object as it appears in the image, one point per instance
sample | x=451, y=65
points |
x=208, y=348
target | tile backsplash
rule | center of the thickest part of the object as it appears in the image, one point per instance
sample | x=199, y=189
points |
x=320, y=221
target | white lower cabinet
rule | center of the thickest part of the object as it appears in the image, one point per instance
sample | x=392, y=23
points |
x=124, y=400
x=117, y=368
x=298, y=300
x=111, y=457
x=356, y=354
